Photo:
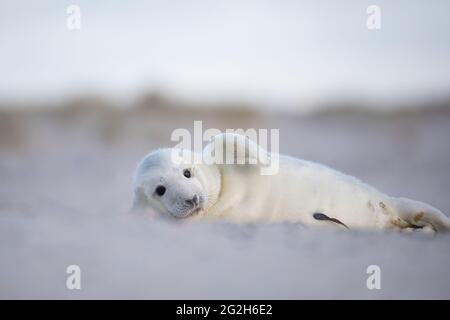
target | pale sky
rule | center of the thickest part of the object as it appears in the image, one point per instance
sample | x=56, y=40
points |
x=268, y=52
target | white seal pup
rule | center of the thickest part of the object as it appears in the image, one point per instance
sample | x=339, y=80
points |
x=301, y=191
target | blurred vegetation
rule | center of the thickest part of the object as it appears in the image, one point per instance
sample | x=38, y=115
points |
x=155, y=115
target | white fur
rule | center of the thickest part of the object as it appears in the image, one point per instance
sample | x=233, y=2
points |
x=239, y=193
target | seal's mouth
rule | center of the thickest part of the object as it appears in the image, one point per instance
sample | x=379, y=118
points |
x=188, y=213
x=194, y=212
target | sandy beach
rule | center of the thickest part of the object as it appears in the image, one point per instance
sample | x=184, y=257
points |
x=65, y=195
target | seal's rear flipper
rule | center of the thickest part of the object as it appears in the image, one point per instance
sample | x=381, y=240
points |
x=421, y=215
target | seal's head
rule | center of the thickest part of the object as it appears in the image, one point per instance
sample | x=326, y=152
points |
x=175, y=187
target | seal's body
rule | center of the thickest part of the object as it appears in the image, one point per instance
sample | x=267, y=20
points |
x=300, y=191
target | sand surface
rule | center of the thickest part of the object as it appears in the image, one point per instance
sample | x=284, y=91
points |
x=65, y=191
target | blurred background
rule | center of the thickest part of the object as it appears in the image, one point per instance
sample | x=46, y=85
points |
x=79, y=108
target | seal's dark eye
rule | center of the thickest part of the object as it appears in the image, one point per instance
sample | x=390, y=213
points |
x=160, y=190
x=187, y=173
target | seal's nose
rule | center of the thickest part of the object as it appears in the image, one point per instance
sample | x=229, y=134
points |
x=195, y=200
x=192, y=202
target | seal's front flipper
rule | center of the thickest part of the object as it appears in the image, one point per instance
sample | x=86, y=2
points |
x=231, y=148
x=324, y=217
